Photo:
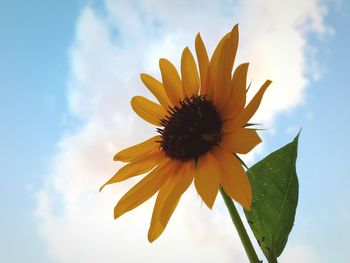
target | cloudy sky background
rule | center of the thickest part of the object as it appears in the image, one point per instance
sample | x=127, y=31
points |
x=67, y=73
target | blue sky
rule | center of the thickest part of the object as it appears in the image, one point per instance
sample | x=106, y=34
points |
x=37, y=111
x=35, y=39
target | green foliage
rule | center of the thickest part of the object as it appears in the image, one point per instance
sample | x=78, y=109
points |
x=275, y=196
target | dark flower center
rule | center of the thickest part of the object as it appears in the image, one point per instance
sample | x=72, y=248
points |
x=192, y=130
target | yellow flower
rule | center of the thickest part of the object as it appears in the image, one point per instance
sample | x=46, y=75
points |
x=202, y=119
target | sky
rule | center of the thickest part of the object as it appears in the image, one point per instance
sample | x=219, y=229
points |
x=68, y=70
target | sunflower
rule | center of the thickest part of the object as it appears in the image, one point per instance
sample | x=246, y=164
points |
x=202, y=120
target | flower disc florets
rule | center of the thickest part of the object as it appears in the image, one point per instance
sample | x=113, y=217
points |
x=191, y=130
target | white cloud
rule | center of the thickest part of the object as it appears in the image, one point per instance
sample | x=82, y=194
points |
x=109, y=52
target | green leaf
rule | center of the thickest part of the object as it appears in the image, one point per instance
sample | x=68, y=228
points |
x=275, y=196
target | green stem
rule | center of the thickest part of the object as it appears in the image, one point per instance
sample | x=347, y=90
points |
x=236, y=219
x=272, y=260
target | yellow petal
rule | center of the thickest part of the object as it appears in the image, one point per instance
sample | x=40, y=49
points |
x=241, y=141
x=179, y=183
x=141, y=166
x=203, y=62
x=213, y=69
x=171, y=81
x=224, y=69
x=156, y=228
x=157, y=89
x=189, y=73
x=134, y=152
x=236, y=103
x=233, y=178
x=237, y=123
x=144, y=189
x=231, y=53
x=207, y=180
x=148, y=110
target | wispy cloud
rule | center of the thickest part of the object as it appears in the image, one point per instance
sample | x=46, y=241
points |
x=111, y=48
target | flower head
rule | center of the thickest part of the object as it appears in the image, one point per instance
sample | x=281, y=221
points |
x=202, y=122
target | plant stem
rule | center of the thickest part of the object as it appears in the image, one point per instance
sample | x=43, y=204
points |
x=272, y=260
x=236, y=219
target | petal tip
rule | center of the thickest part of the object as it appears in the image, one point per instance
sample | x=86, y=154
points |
x=186, y=52
x=133, y=100
x=234, y=32
x=248, y=206
x=116, y=157
x=155, y=232
x=117, y=214
x=142, y=76
x=103, y=186
x=151, y=237
x=208, y=203
x=162, y=62
x=117, y=211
